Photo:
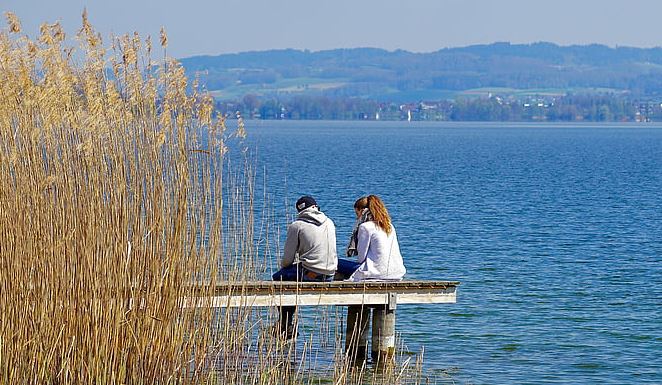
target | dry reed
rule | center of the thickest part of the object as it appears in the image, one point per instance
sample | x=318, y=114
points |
x=116, y=195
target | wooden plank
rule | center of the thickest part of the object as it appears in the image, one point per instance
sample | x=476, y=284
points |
x=333, y=293
x=271, y=287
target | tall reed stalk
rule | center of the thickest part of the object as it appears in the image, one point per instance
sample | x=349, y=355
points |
x=118, y=202
x=110, y=206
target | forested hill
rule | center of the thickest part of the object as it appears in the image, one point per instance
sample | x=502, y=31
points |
x=445, y=74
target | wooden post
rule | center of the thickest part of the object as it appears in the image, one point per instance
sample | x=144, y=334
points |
x=383, y=331
x=356, y=336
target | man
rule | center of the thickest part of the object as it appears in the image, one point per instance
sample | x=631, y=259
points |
x=309, y=255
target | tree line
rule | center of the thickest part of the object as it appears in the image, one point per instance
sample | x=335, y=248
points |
x=588, y=107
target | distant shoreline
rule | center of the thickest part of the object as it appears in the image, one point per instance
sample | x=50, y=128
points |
x=495, y=82
x=485, y=108
x=250, y=122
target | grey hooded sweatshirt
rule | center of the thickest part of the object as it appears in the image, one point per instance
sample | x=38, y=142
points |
x=311, y=240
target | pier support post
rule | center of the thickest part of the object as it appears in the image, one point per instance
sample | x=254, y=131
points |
x=356, y=335
x=383, y=334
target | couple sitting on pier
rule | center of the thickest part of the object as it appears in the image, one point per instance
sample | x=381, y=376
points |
x=310, y=250
x=310, y=246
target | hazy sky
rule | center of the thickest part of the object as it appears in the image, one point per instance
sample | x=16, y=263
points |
x=221, y=26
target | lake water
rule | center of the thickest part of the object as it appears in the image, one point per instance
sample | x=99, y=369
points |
x=554, y=230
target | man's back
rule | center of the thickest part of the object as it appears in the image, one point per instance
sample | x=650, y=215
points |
x=313, y=238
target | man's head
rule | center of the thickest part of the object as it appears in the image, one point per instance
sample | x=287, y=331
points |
x=305, y=202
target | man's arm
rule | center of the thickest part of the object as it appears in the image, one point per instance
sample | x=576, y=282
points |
x=291, y=245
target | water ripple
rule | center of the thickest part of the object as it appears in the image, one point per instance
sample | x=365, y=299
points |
x=555, y=232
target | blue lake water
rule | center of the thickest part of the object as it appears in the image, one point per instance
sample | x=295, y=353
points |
x=554, y=230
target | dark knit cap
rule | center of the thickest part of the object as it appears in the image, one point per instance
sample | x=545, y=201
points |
x=304, y=202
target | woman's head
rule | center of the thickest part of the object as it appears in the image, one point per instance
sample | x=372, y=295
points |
x=378, y=210
x=360, y=205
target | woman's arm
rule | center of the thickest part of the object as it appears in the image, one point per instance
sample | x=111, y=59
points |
x=362, y=244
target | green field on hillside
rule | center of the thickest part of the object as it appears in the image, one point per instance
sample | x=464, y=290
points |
x=284, y=87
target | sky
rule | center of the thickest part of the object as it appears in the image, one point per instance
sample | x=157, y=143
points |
x=212, y=27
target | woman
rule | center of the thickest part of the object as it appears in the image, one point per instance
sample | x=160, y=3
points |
x=375, y=244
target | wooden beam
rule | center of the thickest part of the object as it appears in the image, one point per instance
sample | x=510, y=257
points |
x=265, y=293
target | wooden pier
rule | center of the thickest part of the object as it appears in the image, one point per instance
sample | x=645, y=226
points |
x=380, y=298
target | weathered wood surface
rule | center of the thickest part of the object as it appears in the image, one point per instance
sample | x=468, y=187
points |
x=269, y=293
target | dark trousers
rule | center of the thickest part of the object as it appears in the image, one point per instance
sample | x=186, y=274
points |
x=295, y=273
x=346, y=268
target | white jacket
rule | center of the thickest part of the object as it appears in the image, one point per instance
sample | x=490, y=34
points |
x=379, y=254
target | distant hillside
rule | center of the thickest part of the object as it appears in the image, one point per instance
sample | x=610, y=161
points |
x=540, y=68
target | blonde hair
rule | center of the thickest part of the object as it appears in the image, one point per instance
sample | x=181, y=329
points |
x=379, y=212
